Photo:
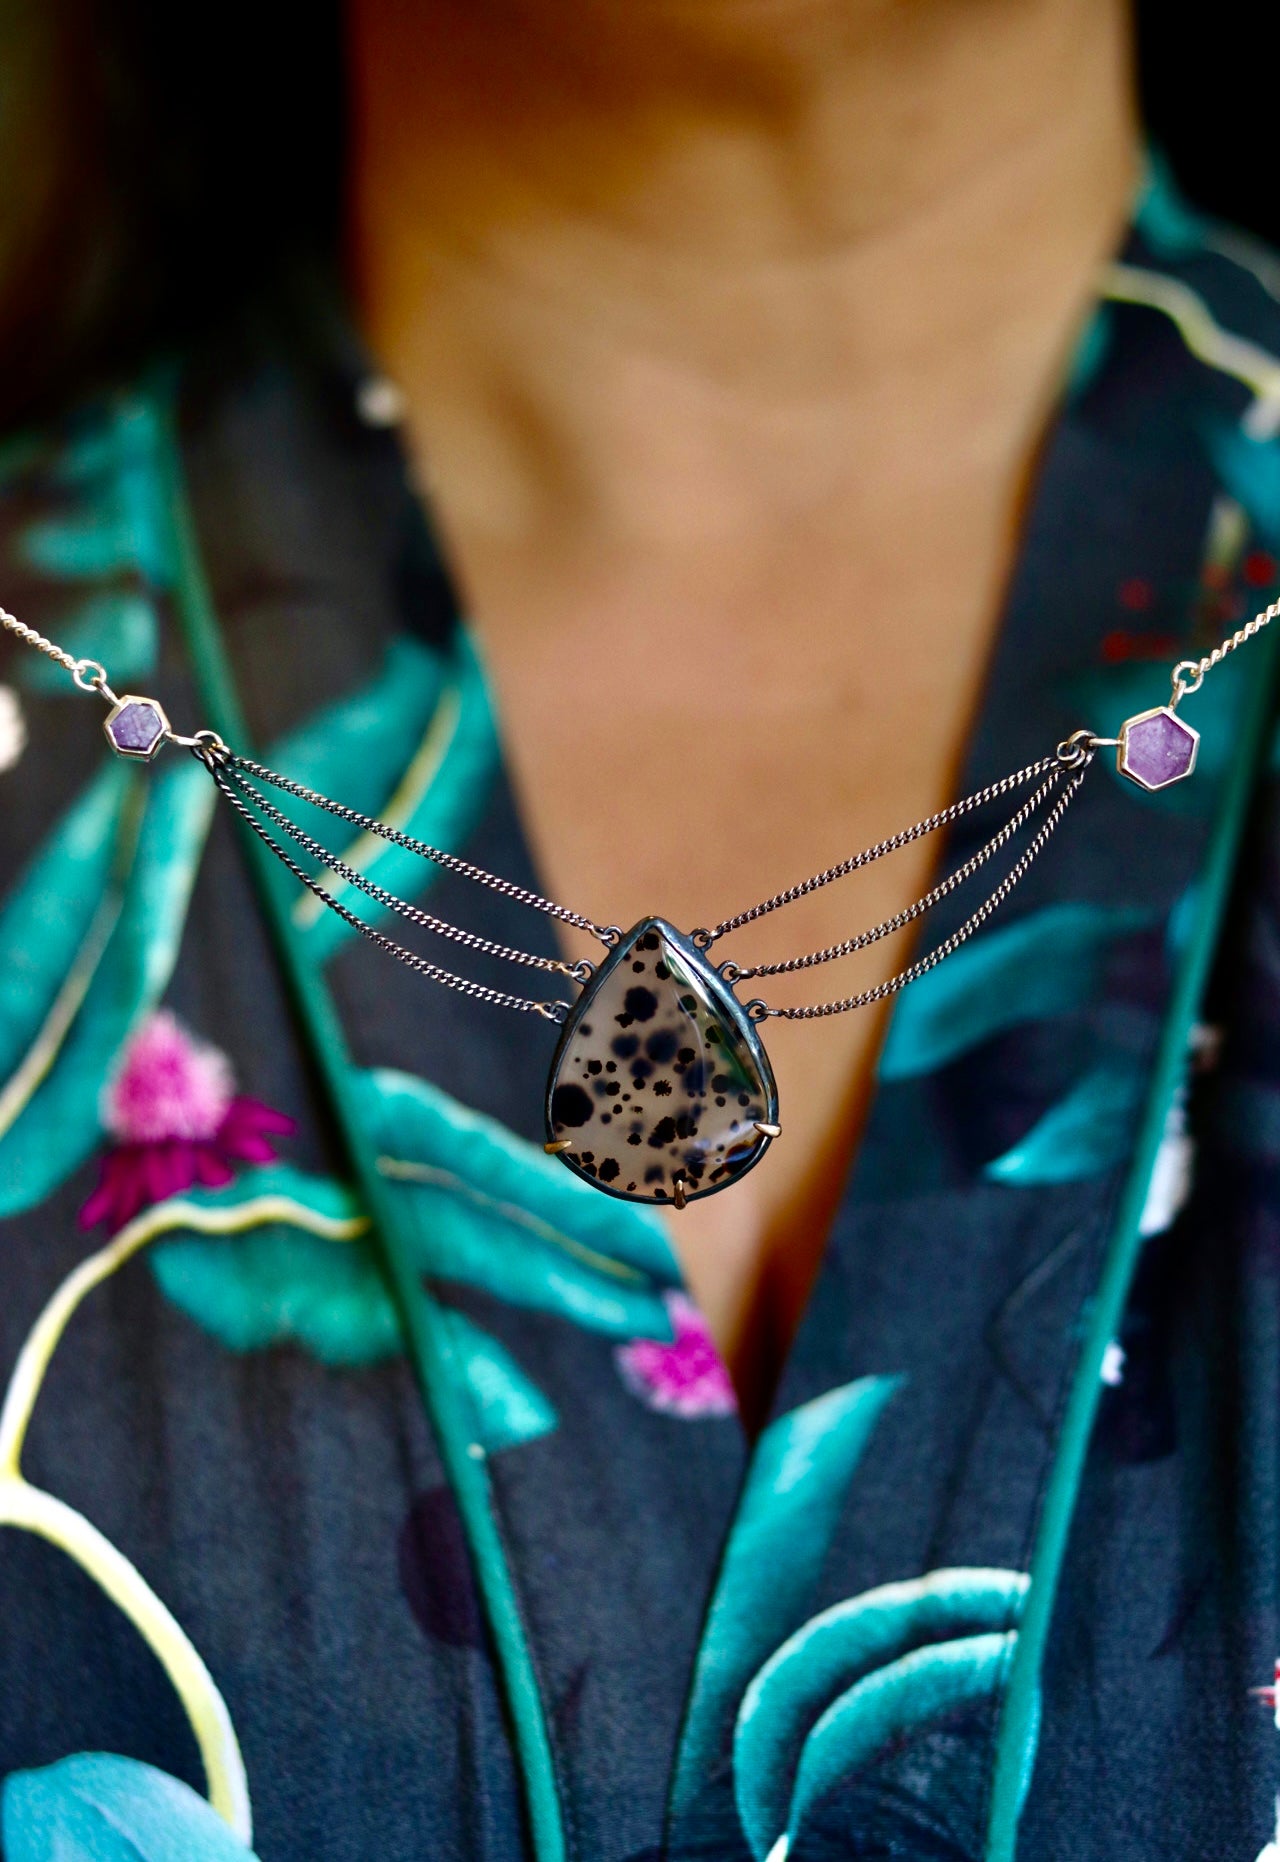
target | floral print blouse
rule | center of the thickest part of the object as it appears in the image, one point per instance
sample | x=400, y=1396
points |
x=370, y=1488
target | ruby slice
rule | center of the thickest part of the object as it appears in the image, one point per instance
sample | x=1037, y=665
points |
x=136, y=727
x=1157, y=749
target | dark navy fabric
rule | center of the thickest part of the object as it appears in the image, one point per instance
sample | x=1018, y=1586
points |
x=286, y=1500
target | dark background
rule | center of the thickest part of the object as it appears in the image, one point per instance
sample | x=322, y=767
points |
x=1204, y=84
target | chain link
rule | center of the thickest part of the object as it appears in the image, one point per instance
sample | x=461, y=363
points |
x=452, y=862
x=31, y=638
x=943, y=818
x=909, y=913
x=552, y=1011
x=429, y=922
x=866, y=997
x=1188, y=674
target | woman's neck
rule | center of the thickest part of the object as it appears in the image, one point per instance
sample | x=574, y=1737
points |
x=728, y=330
x=748, y=203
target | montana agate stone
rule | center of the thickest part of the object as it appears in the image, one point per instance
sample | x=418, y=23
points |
x=1157, y=748
x=660, y=1080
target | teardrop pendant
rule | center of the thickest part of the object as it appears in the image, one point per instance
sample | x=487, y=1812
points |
x=660, y=1089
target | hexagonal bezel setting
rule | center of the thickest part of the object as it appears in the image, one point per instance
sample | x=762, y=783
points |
x=1157, y=748
x=136, y=727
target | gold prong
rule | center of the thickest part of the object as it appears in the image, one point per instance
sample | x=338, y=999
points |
x=767, y=1131
x=679, y=1195
x=554, y=1146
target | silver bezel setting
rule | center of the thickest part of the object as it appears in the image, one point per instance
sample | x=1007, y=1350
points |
x=117, y=710
x=1122, y=749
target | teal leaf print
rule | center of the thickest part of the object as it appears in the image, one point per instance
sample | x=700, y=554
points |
x=794, y=1496
x=99, y=1807
x=90, y=937
x=417, y=748
x=1048, y=963
x=290, y=1264
x=487, y=1209
x=802, y=1686
x=118, y=629
x=281, y=1257
x=116, y=520
x=1087, y=1132
x=903, y=1698
x=45, y=920
x=87, y=544
x=118, y=437
x=358, y=745
x=1250, y=470
x=509, y=1407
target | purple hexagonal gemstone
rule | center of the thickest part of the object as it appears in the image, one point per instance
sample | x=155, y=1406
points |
x=136, y=727
x=1157, y=749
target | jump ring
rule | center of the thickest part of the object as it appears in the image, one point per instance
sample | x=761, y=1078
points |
x=1188, y=677
x=757, y=1010
x=1076, y=749
x=207, y=745
x=89, y=675
x=730, y=971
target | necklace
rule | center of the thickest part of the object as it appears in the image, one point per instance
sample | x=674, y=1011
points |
x=660, y=1088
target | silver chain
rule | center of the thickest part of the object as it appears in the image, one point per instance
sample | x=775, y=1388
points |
x=1188, y=674
x=451, y=862
x=553, y=1011
x=31, y=638
x=759, y=1010
x=231, y=771
x=909, y=913
x=943, y=818
x=232, y=766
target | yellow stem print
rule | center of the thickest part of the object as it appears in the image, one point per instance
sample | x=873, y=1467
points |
x=405, y=1170
x=31, y=1510
x=42, y=1340
x=1204, y=337
x=17, y=1092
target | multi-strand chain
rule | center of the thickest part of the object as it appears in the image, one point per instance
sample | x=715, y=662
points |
x=1070, y=757
x=227, y=770
x=1058, y=777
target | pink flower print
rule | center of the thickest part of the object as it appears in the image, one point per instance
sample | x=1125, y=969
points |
x=168, y=1087
x=684, y=1378
x=177, y=1120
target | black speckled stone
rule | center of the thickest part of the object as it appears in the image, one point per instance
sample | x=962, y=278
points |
x=659, y=1075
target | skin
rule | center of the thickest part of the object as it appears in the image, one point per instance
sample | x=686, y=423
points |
x=728, y=331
